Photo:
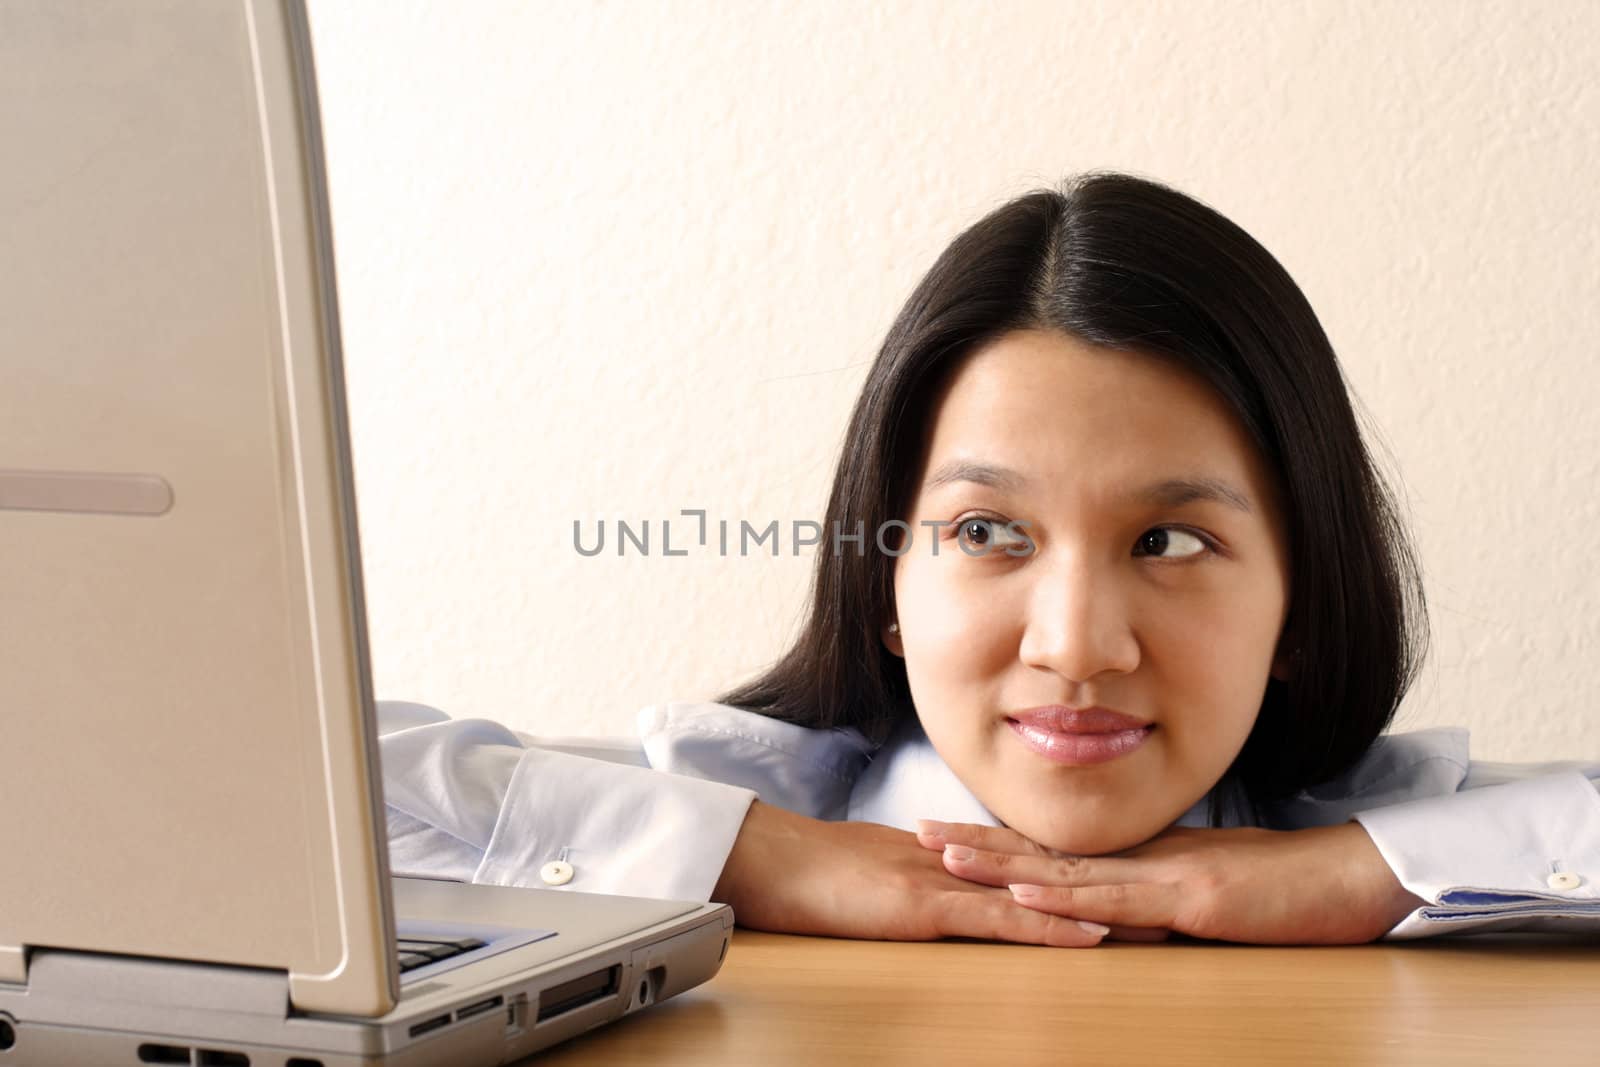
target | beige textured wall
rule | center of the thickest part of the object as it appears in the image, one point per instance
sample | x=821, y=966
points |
x=615, y=260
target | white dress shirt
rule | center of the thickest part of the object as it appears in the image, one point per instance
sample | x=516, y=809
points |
x=1490, y=846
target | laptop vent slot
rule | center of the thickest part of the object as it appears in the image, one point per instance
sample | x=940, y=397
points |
x=206, y=1057
x=570, y=996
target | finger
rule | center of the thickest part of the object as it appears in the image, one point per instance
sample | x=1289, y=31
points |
x=995, y=917
x=1143, y=904
x=1006, y=868
x=935, y=835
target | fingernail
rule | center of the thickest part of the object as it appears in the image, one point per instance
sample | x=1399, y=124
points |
x=1095, y=928
x=1024, y=892
x=931, y=828
x=959, y=852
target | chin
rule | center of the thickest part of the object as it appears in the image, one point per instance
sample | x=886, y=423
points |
x=1086, y=840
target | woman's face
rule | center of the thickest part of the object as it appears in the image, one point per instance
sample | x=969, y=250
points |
x=1156, y=585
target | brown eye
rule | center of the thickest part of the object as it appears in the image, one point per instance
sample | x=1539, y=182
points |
x=1156, y=542
x=979, y=535
x=977, y=532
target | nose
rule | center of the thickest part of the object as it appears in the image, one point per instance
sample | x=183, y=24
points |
x=1078, y=625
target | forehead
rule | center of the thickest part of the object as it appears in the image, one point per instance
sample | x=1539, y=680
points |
x=1070, y=413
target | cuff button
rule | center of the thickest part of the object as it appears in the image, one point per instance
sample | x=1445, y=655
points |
x=1563, y=880
x=556, y=873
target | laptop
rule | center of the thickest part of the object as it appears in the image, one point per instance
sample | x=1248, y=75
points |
x=193, y=867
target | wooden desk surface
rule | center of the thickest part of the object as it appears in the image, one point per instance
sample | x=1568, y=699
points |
x=1495, y=999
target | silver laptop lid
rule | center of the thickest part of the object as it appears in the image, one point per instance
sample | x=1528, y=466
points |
x=189, y=746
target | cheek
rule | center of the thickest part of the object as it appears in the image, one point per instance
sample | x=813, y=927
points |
x=955, y=631
x=1213, y=661
x=1215, y=654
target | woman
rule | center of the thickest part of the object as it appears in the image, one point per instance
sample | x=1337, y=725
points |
x=1113, y=590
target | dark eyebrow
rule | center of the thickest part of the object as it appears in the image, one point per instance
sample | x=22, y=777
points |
x=1175, y=492
x=962, y=470
x=1170, y=493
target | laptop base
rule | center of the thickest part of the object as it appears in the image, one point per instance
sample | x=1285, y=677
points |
x=90, y=1008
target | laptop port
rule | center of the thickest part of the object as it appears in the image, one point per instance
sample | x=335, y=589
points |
x=431, y=1024
x=650, y=986
x=211, y=1057
x=570, y=996
x=517, y=1015
x=479, y=1008
x=149, y=1053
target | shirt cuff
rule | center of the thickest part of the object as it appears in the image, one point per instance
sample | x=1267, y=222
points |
x=615, y=829
x=1521, y=856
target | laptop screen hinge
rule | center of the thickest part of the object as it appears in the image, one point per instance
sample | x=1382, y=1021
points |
x=14, y=964
x=108, y=984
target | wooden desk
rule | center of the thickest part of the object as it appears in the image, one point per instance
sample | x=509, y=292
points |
x=1492, y=999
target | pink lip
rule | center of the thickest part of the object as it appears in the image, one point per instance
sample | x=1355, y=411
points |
x=1079, y=738
x=1063, y=720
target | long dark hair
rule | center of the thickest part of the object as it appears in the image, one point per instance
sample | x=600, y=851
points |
x=1131, y=264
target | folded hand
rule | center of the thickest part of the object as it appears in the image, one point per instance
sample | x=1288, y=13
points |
x=792, y=874
x=1319, y=886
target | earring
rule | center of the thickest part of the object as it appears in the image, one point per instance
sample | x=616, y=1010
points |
x=894, y=627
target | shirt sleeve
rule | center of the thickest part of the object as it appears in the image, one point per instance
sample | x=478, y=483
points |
x=804, y=770
x=1489, y=846
x=470, y=800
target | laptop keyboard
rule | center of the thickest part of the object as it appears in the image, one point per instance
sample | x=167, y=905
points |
x=418, y=952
